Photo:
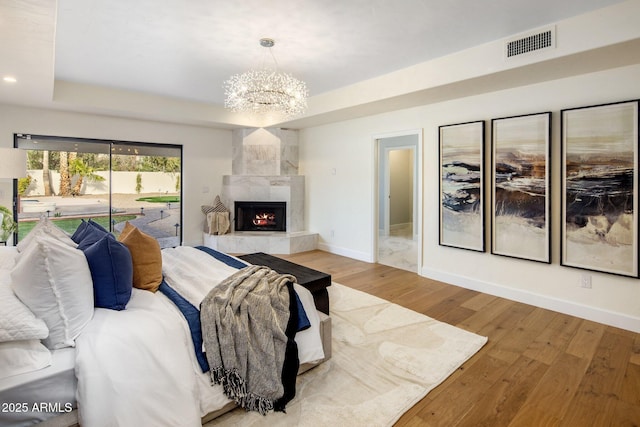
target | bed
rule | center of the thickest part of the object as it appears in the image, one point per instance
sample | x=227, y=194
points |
x=141, y=356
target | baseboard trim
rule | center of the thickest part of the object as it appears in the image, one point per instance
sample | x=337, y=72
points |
x=607, y=317
x=360, y=256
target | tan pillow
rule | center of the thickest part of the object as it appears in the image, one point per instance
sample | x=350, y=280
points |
x=146, y=257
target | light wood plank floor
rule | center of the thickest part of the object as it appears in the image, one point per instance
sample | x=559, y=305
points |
x=539, y=368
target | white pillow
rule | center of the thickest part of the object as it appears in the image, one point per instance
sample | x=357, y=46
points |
x=54, y=281
x=48, y=227
x=17, y=322
x=20, y=357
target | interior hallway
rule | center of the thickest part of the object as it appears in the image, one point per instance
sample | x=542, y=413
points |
x=399, y=249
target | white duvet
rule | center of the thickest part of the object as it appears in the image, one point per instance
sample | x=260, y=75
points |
x=137, y=366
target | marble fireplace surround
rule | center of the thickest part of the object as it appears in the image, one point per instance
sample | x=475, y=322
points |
x=265, y=169
x=289, y=189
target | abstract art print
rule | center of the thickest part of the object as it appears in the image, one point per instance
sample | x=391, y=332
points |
x=462, y=185
x=521, y=187
x=600, y=188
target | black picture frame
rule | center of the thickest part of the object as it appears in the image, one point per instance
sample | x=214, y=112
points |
x=521, y=187
x=600, y=188
x=462, y=185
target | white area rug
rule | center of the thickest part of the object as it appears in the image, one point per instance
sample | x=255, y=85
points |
x=385, y=359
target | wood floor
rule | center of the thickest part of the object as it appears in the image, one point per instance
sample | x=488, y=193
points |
x=539, y=367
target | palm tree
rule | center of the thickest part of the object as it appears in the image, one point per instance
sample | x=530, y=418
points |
x=83, y=170
x=46, y=175
x=65, y=179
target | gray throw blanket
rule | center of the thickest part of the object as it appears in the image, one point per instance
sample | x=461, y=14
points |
x=244, y=320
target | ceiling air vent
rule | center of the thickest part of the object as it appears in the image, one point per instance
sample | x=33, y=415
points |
x=532, y=42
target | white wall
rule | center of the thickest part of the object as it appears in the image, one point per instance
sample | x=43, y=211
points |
x=344, y=202
x=206, y=152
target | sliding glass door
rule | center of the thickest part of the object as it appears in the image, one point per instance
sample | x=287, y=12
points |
x=146, y=183
x=111, y=182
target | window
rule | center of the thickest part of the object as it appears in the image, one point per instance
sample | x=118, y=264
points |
x=111, y=182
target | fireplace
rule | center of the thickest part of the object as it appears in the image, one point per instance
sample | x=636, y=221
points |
x=264, y=168
x=260, y=216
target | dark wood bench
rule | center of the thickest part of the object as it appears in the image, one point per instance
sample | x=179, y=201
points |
x=315, y=281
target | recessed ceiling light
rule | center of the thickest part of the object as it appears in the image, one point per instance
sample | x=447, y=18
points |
x=9, y=79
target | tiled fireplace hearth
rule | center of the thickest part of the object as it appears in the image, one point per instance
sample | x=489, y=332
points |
x=265, y=169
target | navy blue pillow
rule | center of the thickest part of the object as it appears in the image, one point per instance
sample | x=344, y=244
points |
x=112, y=272
x=96, y=225
x=86, y=227
x=89, y=236
x=77, y=235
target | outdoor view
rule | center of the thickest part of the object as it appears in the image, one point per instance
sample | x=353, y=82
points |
x=109, y=182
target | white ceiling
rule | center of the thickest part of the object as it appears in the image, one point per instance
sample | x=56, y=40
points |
x=185, y=50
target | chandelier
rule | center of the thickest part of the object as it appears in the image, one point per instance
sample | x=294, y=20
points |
x=266, y=91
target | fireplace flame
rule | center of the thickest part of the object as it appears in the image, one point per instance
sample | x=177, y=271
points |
x=265, y=218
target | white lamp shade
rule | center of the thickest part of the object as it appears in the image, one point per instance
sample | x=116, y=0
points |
x=13, y=163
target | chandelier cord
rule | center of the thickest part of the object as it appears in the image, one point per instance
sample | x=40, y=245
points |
x=268, y=44
x=275, y=61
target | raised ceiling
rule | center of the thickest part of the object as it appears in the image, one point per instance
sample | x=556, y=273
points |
x=180, y=52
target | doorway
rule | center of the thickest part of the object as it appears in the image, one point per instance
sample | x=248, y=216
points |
x=399, y=200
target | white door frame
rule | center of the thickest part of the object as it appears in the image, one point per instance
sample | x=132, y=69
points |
x=418, y=219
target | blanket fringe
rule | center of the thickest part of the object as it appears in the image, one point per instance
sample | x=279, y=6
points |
x=235, y=388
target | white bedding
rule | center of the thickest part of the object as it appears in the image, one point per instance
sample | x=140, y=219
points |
x=138, y=367
x=8, y=255
x=50, y=391
x=194, y=284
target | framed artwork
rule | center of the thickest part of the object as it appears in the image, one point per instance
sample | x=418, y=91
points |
x=462, y=185
x=600, y=188
x=520, y=194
